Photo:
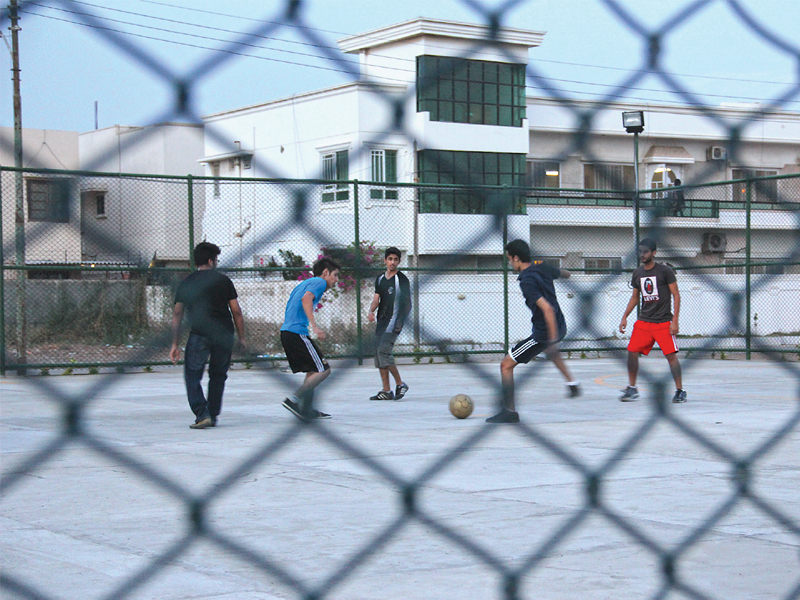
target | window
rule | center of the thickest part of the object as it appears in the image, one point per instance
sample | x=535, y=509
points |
x=472, y=169
x=544, y=174
x=614, y=178
x=335, y=167
x=100, y=204
x=765, y=192
x=215, y=174
x=735, y=267
x=601, y=263
x=553, y=261
x=460, y=90
x=384, y=168
x=48, y=200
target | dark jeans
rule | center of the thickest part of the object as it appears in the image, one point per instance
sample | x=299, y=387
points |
x=201, y=349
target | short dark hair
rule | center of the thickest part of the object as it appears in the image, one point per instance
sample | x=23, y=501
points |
x=204, y=252
x=648, y=243
x=520, y=249
x=392, y=250
x=324, y=263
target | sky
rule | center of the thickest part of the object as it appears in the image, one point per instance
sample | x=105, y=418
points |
x=588, y=50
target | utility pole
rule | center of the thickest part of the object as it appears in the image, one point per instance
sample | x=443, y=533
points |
x=22, y=351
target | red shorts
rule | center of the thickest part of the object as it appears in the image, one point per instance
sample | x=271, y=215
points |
x=646, y=334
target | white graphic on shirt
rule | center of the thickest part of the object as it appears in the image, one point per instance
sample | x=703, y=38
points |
x=649, y=287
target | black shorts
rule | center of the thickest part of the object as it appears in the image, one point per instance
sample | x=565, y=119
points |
x=302, y=353
x=527, y=349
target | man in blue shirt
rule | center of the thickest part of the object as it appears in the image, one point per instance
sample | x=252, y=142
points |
x=549, y=326
x=301, y=351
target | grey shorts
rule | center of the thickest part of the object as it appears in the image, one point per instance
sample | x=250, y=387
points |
x=384, y=346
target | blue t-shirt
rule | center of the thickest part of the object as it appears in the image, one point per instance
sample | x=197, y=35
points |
x=537, y=282
x=295, y=319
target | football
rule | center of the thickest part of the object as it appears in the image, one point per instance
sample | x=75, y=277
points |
x=461, y=406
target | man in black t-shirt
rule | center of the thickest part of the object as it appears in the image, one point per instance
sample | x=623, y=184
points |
x=656, y=323
x=393, y=300
x=210, y=300
x=549, y=326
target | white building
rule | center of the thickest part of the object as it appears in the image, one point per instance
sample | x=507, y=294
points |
x=133, y=218
x=51, y=234
x=419, y=115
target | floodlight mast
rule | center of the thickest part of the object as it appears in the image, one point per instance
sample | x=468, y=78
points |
x=633, y=121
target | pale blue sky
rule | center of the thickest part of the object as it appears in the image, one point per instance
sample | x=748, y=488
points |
x=66, y=67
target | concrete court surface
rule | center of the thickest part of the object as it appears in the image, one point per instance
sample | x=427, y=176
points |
x=84, y=524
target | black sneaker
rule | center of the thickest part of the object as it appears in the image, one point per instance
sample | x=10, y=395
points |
x=383, y=395
x=317, y=414
x=294, y=408
x=214, y=421
x=574, y=390
x=202, y=423
x=504, y=416
x=629, y=394
x=400, y=391
x=679, y=397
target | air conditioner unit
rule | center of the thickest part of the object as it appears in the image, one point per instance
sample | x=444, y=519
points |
x=714, y=242
x=716, y=153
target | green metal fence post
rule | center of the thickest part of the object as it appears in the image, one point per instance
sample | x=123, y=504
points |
x=2, y=288
x=360, y=337
x=190, y=202
x=748, y=332
x=505, y=284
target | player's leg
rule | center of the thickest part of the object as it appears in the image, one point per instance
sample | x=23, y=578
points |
x=521, y=353
x=195, y=358
x=304, y=356
x=218, y=364
x=641, y=342
x=669, y=346
x=385, y=392
x=554, y=354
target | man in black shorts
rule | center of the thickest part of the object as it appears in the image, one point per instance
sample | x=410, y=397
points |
x=549, y=326
x=211, y=301
x=302, y=353
x=392, y=299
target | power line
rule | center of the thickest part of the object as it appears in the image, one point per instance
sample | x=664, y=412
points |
x=344, y=60
x=559, y=62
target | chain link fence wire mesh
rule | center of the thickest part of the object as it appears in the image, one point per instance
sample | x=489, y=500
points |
x=91, y=292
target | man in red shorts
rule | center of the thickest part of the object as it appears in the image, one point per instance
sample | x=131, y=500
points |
x=656, y=323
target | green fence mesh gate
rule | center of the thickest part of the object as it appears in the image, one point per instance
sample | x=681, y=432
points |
x=82, y=292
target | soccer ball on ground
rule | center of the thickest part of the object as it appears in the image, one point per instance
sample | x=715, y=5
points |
x=461, y=406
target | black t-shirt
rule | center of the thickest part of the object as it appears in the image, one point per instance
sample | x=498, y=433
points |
x=656, y=297
x=206, y=295
x=395, y=303
x=537, y=282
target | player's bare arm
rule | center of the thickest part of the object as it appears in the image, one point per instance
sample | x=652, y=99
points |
x=238, y=321
x=564, y=274
x=308, y=308
x=177, y=317
x=549, y=318
x=376, y=300
x=629, y=309
x=676, y=307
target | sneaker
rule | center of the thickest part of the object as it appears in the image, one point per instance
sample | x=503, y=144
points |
x=202, y=423
x=574, y=390
x=504, y=416
x=400, y=391
x=629, y=394
x=214, y=421
x=294, y=408
x=679, y=397
x=318, y=414
x=383, y=395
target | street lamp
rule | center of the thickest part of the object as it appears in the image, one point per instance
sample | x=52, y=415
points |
x=633, y=121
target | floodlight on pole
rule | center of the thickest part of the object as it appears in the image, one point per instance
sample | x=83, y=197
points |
x=633, y=121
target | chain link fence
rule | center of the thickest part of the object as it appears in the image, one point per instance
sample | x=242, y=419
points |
x=91, y=263
x=99, y=283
